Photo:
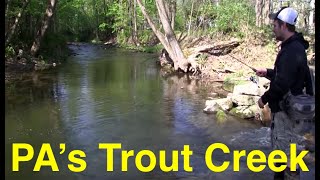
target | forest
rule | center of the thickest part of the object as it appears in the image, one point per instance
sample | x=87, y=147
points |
x=40, y=30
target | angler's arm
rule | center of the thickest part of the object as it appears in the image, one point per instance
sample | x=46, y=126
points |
x=270, y=74
x=282, y=80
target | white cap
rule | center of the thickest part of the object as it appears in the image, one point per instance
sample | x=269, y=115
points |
x=288, y=15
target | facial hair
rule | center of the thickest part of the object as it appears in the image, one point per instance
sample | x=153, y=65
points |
x=279, y=37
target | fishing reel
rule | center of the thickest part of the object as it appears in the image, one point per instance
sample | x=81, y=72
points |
x=254, y=79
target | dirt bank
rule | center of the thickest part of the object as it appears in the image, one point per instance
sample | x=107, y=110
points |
x=254, y=52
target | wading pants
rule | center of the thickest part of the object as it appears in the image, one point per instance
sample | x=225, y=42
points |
x=282, y=135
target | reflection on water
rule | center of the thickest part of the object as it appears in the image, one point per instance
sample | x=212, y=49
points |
x=117, y=96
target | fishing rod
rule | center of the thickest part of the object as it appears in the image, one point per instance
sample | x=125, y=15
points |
x=252, y=68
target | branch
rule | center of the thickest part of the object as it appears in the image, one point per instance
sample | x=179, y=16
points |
x=160, y=36
x=12, y=30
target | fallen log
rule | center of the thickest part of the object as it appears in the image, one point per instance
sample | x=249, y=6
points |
x=219, y=49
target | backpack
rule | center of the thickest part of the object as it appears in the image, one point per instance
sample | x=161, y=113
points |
x=300, y=107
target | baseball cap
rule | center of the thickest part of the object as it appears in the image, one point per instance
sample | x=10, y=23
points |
x=286, y=14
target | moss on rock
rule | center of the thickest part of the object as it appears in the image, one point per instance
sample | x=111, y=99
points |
x=221, y=116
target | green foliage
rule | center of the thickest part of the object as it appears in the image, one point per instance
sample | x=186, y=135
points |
x=153, y=49
x=147, y=49
x=271, y=46
x=75, y=24
x=103, y=26
x=9, y=52
x=146, y=36
x=208, y=18
x=36, y=8
x=53, y=46
x=116, y=13
x=100, y=20
x=234, y=78
x=232, y=15
x=265, y=33
x=180, y=23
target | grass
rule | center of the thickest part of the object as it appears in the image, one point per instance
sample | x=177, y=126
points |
x=153, y=49
x=235, y=78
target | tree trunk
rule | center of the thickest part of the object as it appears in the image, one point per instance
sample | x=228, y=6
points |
x=96, y=19
x=174, y=49
x=190, y=18
x=54, y=19
x=167, y=7
x=168, y=39
x=7, y=7
x=216, y=2
x=12, y=30
x=6, y=27
x=258, y=7
x=44, y=26
x=266, y=11
x=135, y=29
x=305, y=15
x=312, y=15
x=173, y=12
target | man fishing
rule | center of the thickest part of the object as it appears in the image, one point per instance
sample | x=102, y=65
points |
x=290, y=73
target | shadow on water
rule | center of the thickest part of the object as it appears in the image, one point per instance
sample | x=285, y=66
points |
x=118, y=96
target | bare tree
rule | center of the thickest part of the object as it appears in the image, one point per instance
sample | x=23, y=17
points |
x=168, y=39
x=190, y=18
x=135, y=29
x=173, y=8
x=44, y=26
x=262, y=8
x=258, y=8
x=13, y=28
x=312, y=15
x=7, y=2
x=266, y=11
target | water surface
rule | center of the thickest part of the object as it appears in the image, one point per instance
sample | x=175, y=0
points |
x=119, y=96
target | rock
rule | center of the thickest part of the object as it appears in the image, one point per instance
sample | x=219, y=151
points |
x=225, y=103
x=212, y=106
x=310, y=147
x=263, y=82
x=20, y=53
x=214, y=94
x=254, y=108
x=249, y=89
x=309, y=158
x=237, y=111
x=309, y=142
x=244, y=112
x=245, y=97
x=244, y=100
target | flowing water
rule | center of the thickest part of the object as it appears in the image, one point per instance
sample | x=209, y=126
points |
x=118, y=96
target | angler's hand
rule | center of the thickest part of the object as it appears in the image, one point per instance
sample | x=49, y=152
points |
x=261, y=72
x=260, y=103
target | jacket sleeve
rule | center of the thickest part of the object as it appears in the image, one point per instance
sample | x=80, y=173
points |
x=283, y=77
x=270, y=74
